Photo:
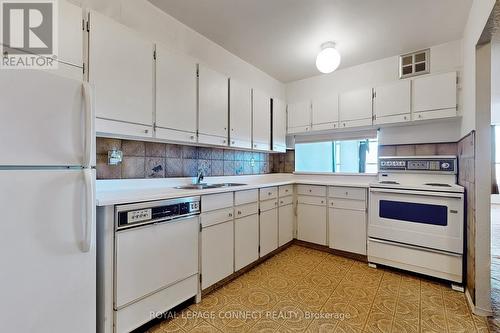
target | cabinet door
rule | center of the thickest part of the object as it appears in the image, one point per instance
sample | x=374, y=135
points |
x=325, y=112
x=268, y=231
x=70, y=42
x=355, y=105
x=246, y=241
x=121, y=71
x=175, y=91
x=311, y=223
x=299, y=116
x=435, y=92
x=285, y=224
x=279, y=125
x=261, y=120
x=217, y=253
x=213, y=103
x=392, y=102
x=347, y=230
x=240, y=115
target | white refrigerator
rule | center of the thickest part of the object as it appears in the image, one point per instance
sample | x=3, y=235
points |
x=47, y=203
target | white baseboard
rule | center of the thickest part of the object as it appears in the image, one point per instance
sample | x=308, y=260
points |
x=477, y=311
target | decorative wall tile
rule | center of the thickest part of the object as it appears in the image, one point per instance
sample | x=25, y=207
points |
x=173, y=151
x=189, y=167
x=174, y=167
x=133, y=148
x=153, y=159
x=155, y=149
x=155, y=167
x=103, y=145
x=217, y=167
x=133, y=167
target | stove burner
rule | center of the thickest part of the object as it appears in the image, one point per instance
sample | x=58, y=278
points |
x=438, y=184
x=388, y=182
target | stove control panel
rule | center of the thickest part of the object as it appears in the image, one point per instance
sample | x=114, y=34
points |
x=435, y=164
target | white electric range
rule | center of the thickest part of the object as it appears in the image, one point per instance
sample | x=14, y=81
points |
x=416, y=217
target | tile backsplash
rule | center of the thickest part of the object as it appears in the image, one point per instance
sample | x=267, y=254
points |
x=159, y=160
x=426, y=149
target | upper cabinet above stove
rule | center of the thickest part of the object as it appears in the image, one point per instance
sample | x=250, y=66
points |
x=435, y=96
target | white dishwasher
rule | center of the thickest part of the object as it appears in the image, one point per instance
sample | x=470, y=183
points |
x=155, y=260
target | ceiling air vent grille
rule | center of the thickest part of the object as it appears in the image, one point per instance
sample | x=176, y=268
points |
x=415, y=63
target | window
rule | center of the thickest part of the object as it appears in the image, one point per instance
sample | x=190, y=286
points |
x=346, y=156
x=415, y=63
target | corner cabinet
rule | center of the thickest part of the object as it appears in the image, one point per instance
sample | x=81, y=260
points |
x=279, y=125
x=299, y=117
x=176, y=116
x=392, y=103
x=325, y=113
x=355, y=108
x=435, y=96
x=121, y=68
x=240, y=115
x=261, y=136
x=213, y=107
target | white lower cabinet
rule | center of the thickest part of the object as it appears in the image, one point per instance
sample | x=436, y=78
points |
x=311, y=219
x=268, y=222
x=216, y=252
x=347, y=219
x=285, y=220
x=246, y=235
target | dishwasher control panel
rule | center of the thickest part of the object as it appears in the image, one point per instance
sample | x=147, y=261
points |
x=154, y=212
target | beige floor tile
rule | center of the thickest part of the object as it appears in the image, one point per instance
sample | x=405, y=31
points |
x=305, y=290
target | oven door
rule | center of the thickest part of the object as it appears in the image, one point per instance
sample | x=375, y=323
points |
x=433, y=220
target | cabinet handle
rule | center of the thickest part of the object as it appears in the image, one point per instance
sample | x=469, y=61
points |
x=239, y=212
x=192, y=137
x=404, y=117
x=310, y=191
x=286, y=190
x=223, y=141
x=232, y=142
x=255, y=146
x=146, y=131
x=276, y=203
x=230, y=214
x=420, y=116
x=343, y=124
x=225, y=128
x=281, y=202
x=346, y=193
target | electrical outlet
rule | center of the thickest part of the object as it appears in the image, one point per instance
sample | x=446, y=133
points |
x=252, y=162
x=115, y=157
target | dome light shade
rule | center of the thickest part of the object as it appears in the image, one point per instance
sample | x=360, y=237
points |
x=328, y=58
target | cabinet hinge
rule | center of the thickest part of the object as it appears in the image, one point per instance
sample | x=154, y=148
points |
x=83, y=68
x=259, y=249
x=83, y=24
x=154, y=126
x=200, y=231
x=88, y=25
x=154, y=54
x=374, y=94
x=259, y=211
x=201, y=279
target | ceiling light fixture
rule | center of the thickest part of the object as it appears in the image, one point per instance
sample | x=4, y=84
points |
x=328, y=58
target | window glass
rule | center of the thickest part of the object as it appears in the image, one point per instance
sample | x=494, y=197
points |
x=348, y=156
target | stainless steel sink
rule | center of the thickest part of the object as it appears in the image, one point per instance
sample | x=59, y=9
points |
x=207, y=186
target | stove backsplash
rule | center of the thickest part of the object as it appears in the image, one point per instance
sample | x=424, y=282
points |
x=161, y=160
x=426, y=149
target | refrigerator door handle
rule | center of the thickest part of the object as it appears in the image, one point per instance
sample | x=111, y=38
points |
x=89, y=216
x=89, y=124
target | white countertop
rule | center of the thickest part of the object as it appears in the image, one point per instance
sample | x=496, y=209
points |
x=120, y=191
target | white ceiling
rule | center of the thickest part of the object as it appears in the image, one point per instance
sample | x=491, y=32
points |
x=283, y=37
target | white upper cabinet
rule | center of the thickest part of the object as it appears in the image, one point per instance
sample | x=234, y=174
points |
x=176, y=117
x=261, y=120
x=299, y=117
x=121, y=71
x=355, y=108
x=325, y=112
x=213, y=106
x=279, y=125
x=70, y=42
x=392, y=103
x=435, y=96
x=240, y=115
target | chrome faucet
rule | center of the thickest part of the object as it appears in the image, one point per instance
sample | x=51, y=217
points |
x=199, y=177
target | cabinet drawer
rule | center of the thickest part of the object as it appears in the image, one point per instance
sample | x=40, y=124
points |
x=347, y=204
x=288, y=200
x=311, y=190
x=268, y=193
x=353, y=193
x=244, y=197
x=309, y=200
x=216, y=217
x=245, y=210
x=216, y=201
x=268, y=204
x=285, y=190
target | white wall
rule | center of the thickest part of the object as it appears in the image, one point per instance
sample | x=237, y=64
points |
x=478, y=16
x=495, y=82
x=158, y=26
x=444, y=58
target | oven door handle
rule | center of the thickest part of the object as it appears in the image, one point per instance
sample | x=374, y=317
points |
x=416, y=192
x=414, y=247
